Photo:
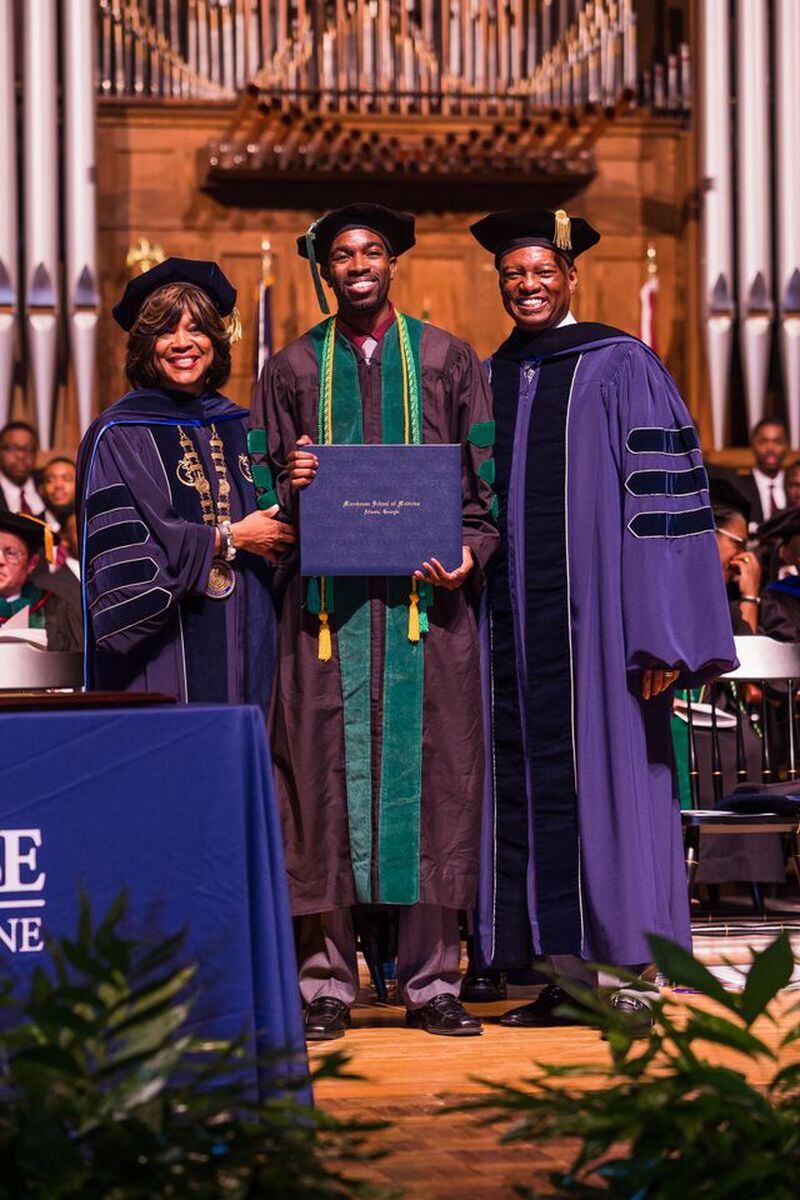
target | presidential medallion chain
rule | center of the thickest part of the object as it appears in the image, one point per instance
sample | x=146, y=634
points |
x=221, y=577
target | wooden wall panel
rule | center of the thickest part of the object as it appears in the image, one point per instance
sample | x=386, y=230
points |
x=150, y=162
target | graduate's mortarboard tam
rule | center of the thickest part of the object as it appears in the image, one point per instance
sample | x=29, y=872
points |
x=501, y=232
x=396, y=229
x=205, y=275
x=725, y=488
x=35, y=533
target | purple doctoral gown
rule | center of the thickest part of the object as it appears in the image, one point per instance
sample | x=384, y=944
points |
x=146, y=556
x=608, y=565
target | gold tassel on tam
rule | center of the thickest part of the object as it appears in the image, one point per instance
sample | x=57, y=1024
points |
x=48, y=543
x=562, y=235
x=233, y=326
x=413, y=613
x=324, y=649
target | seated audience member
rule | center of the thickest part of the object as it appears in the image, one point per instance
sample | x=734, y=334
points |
x=792, y=485
x=730, y=858
x=26, y=541
x=18, y=446
x=781, y=536
x=57, y=489
x=765, y=486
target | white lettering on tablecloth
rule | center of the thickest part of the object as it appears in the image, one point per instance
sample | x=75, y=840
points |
x=21, y=888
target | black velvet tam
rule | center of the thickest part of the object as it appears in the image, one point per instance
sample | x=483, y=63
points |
x=396, y=229
x=205, y=275
x=33, y=531
x=501, y=232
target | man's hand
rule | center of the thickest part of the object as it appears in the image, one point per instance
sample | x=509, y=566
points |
x=433, y=572
x=656, y=680
x=301, y=466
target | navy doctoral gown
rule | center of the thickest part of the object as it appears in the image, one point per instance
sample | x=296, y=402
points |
x=608, y=565
x=146, y=556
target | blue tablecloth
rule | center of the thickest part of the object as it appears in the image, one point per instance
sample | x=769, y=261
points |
x=175, y=804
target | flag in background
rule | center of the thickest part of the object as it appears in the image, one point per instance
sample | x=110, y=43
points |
x=264, y=309
x=647, y=301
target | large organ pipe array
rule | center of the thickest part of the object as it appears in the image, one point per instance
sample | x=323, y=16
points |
x=35, y=269
x=388, y=55
x=763, y=217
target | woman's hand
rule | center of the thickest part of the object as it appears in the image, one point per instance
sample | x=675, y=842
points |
x=433, y=572
x=746, y=570
x=260, y=533
x=301, y=466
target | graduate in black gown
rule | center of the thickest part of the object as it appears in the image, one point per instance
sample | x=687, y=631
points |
x=175, y=546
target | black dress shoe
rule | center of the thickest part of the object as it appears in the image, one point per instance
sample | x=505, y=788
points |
x=638, y=1013
x=446, y=1016
x=326, y=1018
x=540, y=1013
x=484, y=988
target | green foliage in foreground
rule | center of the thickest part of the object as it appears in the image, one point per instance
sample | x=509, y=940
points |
x=105, y=1094
x=661, y=1121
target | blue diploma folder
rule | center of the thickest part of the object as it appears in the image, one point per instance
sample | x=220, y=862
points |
x=381, y=510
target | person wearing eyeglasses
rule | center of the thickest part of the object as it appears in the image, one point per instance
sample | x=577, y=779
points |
x=25, y=542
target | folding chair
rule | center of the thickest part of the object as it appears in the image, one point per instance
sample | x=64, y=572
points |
x=764, y=662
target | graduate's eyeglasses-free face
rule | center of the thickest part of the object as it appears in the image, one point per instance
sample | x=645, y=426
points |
x=360, y=270
x=536, y=286
x=183, y=356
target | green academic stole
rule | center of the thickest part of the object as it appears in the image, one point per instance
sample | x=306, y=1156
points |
x=29, y=596
x=344, y=603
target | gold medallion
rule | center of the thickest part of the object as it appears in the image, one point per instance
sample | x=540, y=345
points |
x=221, y=580
x=245, y=468
x=190, y=472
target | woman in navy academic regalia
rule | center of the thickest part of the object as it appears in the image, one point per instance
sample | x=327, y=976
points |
x=174, y=549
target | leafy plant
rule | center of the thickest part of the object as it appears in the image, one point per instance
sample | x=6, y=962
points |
x=661, y=1120
x=106, y=1094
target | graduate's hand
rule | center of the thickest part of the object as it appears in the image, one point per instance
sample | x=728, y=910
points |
x=657, y=680
x=260, y=533
x=301, y=466
x=433, y=572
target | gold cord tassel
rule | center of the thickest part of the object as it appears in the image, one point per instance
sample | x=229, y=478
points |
x=413, y=613
x=562, y=236
x=233, y=326
x=324, y=652
x=324, y=649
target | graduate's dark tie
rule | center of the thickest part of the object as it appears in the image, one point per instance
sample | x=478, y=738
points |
x=773, y=508
x=24, y=507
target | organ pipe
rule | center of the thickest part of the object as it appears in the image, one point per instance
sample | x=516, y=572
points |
x=787, y=149
x=754, y=224
x=717, y=210
x=41, y=200
x=83, y=299
x=9, y=299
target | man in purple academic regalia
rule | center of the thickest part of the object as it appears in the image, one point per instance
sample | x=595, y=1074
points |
x=606, y=591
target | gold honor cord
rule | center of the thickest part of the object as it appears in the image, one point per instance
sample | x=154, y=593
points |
x=221, y=577
x=411, y=433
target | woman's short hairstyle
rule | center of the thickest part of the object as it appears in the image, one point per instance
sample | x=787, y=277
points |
x=161, y=313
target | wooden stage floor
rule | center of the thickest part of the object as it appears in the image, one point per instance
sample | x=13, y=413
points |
x=410, y=1076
